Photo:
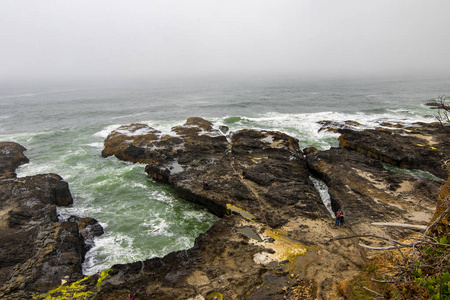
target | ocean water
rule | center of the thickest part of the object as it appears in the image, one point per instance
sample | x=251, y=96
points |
x=63, y=128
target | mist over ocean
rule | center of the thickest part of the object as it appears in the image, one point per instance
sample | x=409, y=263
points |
x=63, y=129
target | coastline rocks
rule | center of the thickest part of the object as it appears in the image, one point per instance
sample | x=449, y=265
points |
x=220, y=264
x=423, y=146
x=89, y=228
x=260, y=173
x=368, y=193
x=263, y=178
x=37, y=250
x=11, y=156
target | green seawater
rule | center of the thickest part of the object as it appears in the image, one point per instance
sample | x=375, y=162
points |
x=141, y=219
x=64, y=127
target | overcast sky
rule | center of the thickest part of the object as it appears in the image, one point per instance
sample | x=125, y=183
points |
x=144, y=38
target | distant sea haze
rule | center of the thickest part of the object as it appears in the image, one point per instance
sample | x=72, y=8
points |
x=64, y=129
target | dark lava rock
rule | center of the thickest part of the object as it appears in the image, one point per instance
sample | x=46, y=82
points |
x=218, y=264
x=424, y=146
x=11, y=156
x=263, y=177
x=261, y=172
x=37, y=250
x=89, y=228
x=368, y=192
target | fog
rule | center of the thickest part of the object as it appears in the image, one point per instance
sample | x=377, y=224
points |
x=144, y=39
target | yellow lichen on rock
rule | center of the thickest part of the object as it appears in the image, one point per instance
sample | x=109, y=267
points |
x=75, y=290
x=285, y=247
x=240, y=211
x=214, y=296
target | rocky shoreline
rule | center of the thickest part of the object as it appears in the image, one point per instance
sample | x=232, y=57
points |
x=275, y=236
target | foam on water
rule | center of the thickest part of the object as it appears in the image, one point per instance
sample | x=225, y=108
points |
x=306, y=127
x=64, y=133
x=106, y=131
x=141, y=219
x=322, y=188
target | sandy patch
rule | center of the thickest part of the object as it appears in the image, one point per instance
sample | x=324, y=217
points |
x=427, y=138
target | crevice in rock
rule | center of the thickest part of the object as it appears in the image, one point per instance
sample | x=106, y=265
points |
x=322, y=189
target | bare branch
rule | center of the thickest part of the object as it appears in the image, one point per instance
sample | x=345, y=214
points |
x=378, y=294
x=410, y=226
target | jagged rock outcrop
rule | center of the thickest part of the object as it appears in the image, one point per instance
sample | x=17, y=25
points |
x=11, y=156
x=279, y=240
x=262, y=176
x=261, y=172
x=424, y=146
x=367, y=192
x=221, y=264
x=36, y=250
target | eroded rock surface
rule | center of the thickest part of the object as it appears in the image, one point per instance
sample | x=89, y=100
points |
x=423, y=146
x=368, y=193
x=263, y=177
x=36, y=249
x=279, y=242
x=261, y=172
x=11, y=156
x=222, y=262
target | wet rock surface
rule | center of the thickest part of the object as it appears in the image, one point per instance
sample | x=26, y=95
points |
x=422, y=146
x=367, y=192
x=220, y=263
x=276, y=239
x=11, y=156
x=264, y=177
x=36, y=249
x=261, y=172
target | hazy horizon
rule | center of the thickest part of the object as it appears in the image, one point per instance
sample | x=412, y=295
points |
x=95, y=41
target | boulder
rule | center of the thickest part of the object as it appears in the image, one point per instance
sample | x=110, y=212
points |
x=367, y=192
x=280, y=241
x=260, y=172
x=423, y=146
x=11, y=156
x=37, y=250
x=89, y=228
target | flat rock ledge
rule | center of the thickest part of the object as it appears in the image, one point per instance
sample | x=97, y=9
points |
x=275, y=237
x=37, y=250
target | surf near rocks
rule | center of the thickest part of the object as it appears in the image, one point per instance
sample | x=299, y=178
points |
x=38, y=250
x=262, y=178
x=276, y=239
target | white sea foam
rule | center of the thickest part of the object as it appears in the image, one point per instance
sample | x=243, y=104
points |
x=97, y=145
x=322, y=188
x=139, y=185
x=140, y=131
x=107, y=130
x=183, y=243
x=157, y=226
x=109, y=249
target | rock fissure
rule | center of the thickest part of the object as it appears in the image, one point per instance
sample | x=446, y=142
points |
x=278, y=243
